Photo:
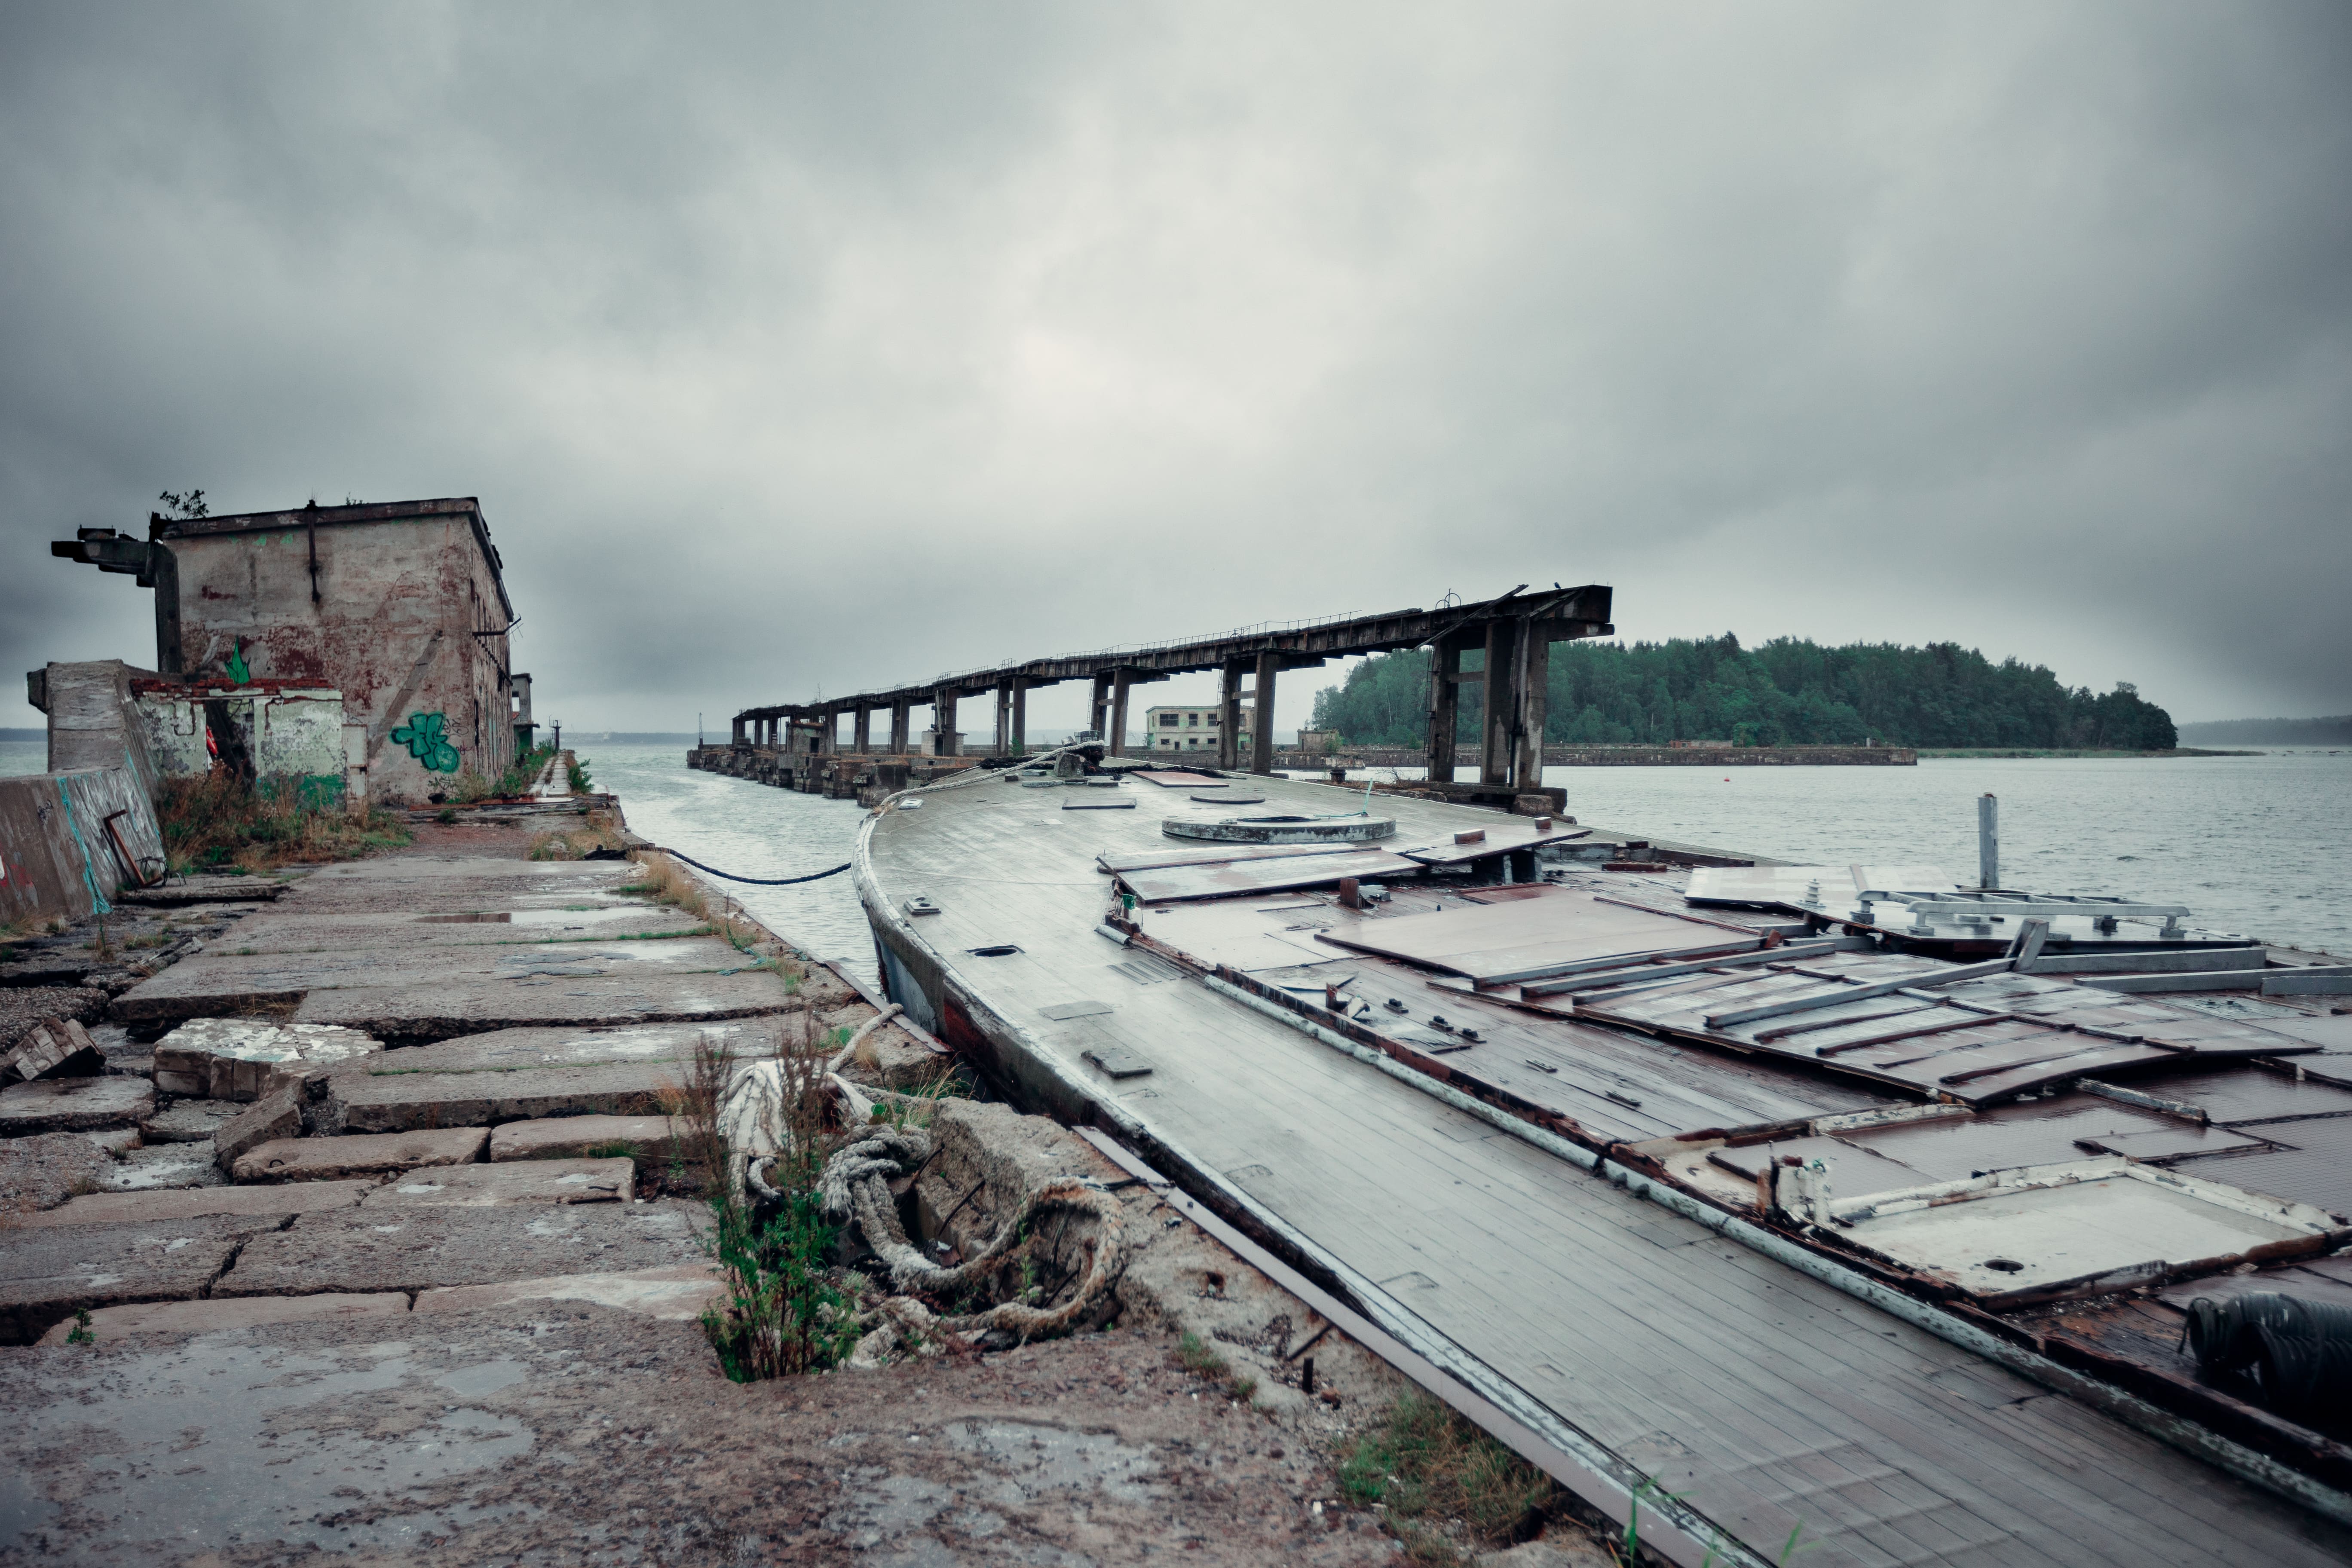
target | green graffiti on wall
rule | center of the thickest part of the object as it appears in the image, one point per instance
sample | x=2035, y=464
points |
x=426, y=742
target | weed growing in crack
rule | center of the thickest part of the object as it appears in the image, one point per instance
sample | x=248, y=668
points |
x=1421, y=1463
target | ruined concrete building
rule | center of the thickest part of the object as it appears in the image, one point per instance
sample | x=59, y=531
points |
x=363, y=646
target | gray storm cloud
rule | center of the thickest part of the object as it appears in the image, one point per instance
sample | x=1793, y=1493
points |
x=809, y=348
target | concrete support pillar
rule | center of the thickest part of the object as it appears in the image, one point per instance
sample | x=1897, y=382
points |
x=1502, y=702
x=1229, y=714
x=1117, y=735
x=943, y=720
x=1020, y=715
x=828, y=732
x=1099, y=710
x=901, y=736
x=861, y=731
x=1261, y=719
x=1003, y=747
x=1445, y=707
x=737, y=737
x=1534, y=682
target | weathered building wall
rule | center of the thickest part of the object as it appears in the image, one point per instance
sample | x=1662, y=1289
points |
x=287, y=731
x=399, y=608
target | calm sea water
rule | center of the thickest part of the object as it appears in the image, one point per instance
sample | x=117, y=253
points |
x=2260, y=845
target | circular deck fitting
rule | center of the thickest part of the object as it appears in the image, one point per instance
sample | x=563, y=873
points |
x=1350, y=829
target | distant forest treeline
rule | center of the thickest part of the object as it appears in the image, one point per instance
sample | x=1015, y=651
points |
x=2336, y=732
x=1787, y=692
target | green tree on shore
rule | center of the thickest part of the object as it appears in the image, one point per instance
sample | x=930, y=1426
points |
x=1787, y=692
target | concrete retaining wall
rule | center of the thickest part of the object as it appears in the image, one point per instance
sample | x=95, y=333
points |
x=64, y=839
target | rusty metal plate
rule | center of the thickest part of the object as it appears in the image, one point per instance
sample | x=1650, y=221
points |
x=1522, y=934
x=1176, y=883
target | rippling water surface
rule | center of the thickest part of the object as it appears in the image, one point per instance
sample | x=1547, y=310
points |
x=753, y=830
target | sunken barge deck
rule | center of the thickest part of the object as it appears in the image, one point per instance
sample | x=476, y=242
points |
x=1549, y=1185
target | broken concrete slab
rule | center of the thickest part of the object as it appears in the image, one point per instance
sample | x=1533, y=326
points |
x=23, y=1006
x=503, y=1051
x=189, y=1121
x=47, y=1274
x=624, y=920
x=54, y=1047
x=74, y=1105
x=214, y=984
x=391, y=1102
x=424, y=1247
x=378, y=1154
x=275, y=1116
x=164, y=1166
x=516, y=1181
x=574, y=1137
x=44, y=1171
x=243, y=1058
x=195, y=1203
x=680, y=1292
x=401, y=1014
x=115, y=1141
x=109, y=1325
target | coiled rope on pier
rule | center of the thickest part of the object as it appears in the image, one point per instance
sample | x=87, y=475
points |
x=856, y=1186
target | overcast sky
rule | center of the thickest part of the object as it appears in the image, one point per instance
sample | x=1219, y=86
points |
x=801, y=349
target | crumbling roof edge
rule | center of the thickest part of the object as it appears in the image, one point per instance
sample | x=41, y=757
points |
x=337, y=516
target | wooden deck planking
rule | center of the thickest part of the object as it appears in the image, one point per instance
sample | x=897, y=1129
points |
x=1540, y=1265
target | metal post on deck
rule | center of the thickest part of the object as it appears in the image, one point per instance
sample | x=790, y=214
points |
x=1988, y=841
x=1262, y=715
x=1115, y=738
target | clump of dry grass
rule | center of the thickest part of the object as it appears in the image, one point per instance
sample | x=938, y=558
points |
x=1424, y=1464
x=574, y=843
x=218, y=822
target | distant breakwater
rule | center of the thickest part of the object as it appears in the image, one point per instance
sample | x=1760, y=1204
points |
x=1629, y=757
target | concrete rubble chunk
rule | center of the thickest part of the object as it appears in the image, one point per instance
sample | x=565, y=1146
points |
x=516, y=1181
x=391, y=1102
x=266, y=1121
x=421, y=1249
x=573, y=1137
x=680, y=1292
x=48, y=1274
x=361, y=1154
x=110, y=1324
x=243, y=1058
x=23, y=1006
x=196, y=1203
x=74, y=1105
x=44, y=1171
x=52, y=1048
x=189, y=1121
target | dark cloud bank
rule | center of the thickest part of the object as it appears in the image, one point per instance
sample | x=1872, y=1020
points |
x=809, y=348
